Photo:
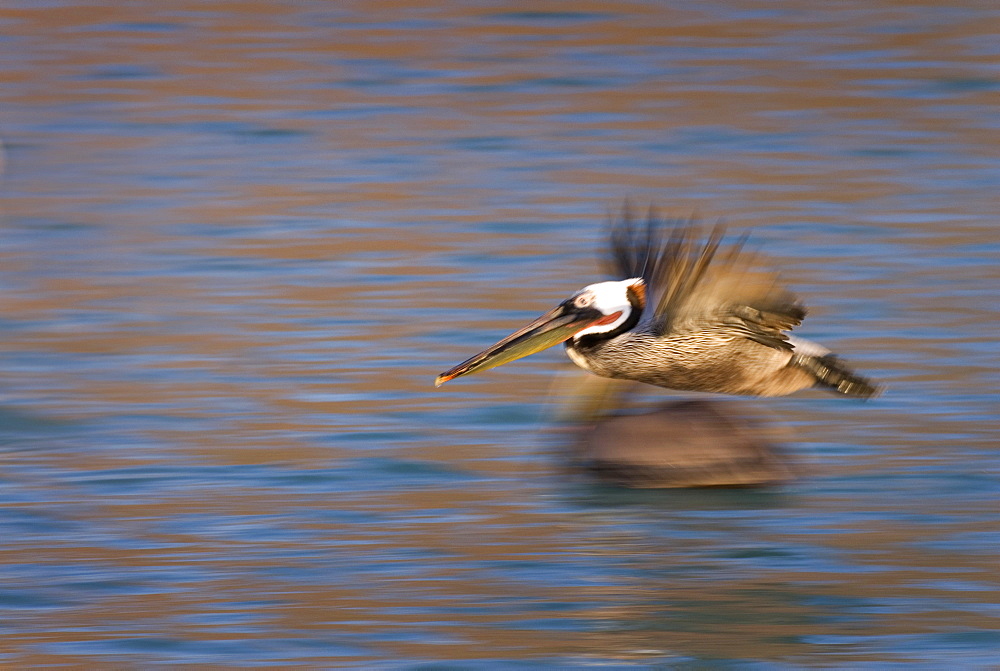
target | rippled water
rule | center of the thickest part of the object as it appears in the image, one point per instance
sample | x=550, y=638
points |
x=240, y=240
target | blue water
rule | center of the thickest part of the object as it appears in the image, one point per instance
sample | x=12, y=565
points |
x=239, y=242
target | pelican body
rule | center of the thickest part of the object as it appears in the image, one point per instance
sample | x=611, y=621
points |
x=692, y=316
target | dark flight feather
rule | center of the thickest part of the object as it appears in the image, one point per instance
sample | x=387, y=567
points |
x=696, y=283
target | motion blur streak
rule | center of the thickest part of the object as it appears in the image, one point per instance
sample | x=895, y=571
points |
x=239, y=238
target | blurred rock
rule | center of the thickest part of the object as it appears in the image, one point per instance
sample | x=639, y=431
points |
x=696, y=443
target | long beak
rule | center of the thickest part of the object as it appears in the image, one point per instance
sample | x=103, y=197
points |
x=552, y=328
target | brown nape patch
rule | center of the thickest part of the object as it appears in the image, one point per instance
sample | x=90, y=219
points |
x=637, y=294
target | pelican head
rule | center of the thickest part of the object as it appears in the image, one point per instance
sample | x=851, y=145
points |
x=602, y=308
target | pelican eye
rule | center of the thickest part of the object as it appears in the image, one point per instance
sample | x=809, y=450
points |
x=583, y=300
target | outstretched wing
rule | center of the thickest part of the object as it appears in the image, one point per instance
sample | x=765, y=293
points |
x=698, y=284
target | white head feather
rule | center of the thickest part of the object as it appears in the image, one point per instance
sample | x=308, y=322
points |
x=608, y=298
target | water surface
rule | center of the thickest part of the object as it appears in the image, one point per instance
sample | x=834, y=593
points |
x=238, y=242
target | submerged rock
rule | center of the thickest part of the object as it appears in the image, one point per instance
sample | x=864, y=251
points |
x=694, y=443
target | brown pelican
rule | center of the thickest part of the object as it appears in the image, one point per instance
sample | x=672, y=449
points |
x=692, y=315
